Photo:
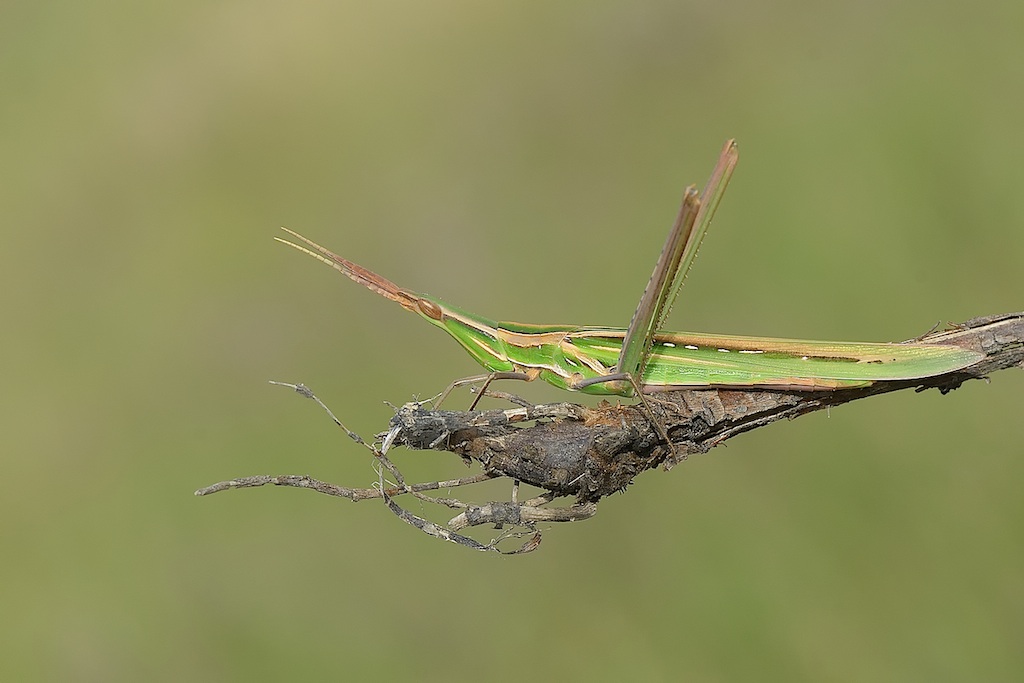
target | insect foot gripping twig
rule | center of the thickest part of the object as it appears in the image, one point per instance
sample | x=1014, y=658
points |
x=520, y=518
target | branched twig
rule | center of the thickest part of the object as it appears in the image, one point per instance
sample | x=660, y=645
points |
x=524, y=515
x=305, y=482
x=589, y=453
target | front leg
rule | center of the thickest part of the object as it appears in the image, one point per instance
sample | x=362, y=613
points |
x=528, y=376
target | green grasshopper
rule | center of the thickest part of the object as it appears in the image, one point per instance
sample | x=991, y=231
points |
x=643, y=359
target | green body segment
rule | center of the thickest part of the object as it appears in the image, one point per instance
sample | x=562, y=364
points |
x=566, y=355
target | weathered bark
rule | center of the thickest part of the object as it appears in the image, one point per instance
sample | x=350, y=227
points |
x=589, y=453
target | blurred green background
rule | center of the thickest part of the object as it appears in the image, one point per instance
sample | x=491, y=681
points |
x=522, y=160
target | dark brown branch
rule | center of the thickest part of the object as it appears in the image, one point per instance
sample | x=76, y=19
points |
x=590, y=453
x=571, y=450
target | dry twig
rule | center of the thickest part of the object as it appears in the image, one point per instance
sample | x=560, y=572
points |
x=589, y=453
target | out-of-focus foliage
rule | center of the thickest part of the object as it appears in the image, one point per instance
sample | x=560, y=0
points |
x=522, y=160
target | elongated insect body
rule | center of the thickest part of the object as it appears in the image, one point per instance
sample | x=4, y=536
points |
x=599, y=360
x=684, y=360
x=571, y=357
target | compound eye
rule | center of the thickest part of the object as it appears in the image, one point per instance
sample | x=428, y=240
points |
x=430, y=309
